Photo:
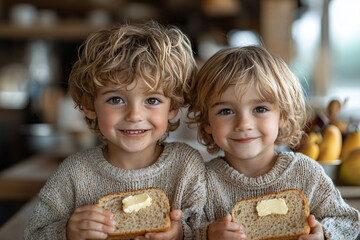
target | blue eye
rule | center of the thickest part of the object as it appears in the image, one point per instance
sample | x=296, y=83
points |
x=260, y=110
x=152, y=101
x=226, y=111
x=115, y=100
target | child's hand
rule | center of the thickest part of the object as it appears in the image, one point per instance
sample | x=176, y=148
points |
x=223, y=228
x=316, y=231
x=89, y=221
x=174, y=233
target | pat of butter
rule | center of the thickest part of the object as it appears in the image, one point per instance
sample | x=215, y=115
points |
x=272, y=206
x=136, y=202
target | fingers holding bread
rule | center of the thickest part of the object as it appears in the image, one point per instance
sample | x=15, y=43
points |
x=316, y=231
x=224, y=228
x=94, y=212
x=90, y=221
x=282, y=215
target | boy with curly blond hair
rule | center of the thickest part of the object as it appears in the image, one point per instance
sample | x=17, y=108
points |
x=130, y=82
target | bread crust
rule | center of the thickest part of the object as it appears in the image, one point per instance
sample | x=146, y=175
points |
x=283, y=237
x=133, y=234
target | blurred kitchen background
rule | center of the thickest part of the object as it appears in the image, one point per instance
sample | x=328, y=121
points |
x=319, y=39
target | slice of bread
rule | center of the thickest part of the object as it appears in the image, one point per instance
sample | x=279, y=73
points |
x=153, y=218
x=274, y=226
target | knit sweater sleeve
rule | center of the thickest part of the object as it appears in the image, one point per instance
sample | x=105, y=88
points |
x=53, y=209
x=190, y=190
x=341, y=221
x=338, y=219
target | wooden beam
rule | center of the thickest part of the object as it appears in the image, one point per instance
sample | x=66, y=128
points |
x=276, y=18
x=323, y=69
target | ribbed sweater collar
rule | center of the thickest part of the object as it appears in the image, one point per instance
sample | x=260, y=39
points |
x=161, y=164
x=228, y=173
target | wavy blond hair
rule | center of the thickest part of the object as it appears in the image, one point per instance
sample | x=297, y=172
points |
x=243, y=67
x=161, y=56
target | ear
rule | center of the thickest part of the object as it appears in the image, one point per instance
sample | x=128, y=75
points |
x=207, y=128
x=173, y=113
x=91, y=114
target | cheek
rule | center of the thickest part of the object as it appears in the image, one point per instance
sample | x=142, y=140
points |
x=106, y=118
x=219, y=128
x=271, y=126
x=160, y=118
x=218, y=135
x=104, y=124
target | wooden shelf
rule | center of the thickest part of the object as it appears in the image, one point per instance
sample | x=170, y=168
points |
x=25, y=179
x=73, y=30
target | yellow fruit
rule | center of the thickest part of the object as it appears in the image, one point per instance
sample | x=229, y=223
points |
x=315, y=137
x=330, y=147
x=312, y=137
x=350, y=168
x=351, y=142
x=311, y=150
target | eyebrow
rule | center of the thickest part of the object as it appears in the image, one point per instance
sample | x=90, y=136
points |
x=218, y=103
x=107, y=92
x=255, y=101
x=156, y=92
x=112, y=91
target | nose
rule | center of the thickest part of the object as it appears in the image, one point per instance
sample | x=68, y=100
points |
x=244, y=122
x=134, y=113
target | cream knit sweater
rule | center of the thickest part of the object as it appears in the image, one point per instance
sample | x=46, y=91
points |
x=84, y=177
x=226, y=186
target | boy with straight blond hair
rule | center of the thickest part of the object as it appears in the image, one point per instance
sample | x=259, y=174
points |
x=245, y=102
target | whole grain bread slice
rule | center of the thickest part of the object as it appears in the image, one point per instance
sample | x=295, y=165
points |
x=154, y=218
x=274, y=226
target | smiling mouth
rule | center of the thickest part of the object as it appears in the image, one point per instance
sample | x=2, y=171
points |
x=245, y=140
x=135, y=132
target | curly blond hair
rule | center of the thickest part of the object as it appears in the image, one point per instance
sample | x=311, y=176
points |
x=243, y=67
x=160, y=55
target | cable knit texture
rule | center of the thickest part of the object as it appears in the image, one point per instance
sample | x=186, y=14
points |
x=226, y=186
x=84, y=177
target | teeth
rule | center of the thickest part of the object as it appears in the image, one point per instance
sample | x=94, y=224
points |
x=134, y=132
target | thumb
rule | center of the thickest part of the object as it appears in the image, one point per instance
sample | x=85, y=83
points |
x=311, y=221
x=175, y=215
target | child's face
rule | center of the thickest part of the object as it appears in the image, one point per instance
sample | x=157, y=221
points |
x=132, y=119
x=244, y=128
